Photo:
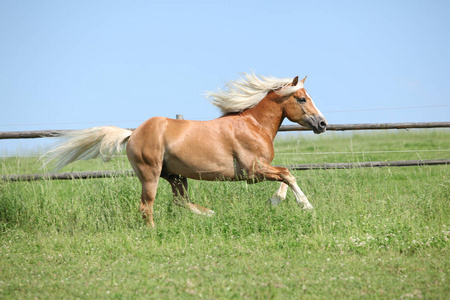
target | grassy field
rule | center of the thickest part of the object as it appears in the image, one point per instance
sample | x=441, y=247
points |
x=374, y=233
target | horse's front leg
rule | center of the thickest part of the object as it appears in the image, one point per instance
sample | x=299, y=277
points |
x=282, y=174
x=279, y=195
x=300, y=197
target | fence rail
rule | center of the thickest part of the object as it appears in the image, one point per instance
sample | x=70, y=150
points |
x=325, y=166
x=299, y=167
x=67, y=175
x=371, y=164
x=336, y=127
x=371, y=126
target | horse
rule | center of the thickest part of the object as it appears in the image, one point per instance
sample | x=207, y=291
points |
x=237, y=146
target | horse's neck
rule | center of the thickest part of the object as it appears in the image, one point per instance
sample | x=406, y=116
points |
x=269, y=114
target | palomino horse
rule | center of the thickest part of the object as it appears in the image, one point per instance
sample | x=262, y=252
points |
x=236, y=146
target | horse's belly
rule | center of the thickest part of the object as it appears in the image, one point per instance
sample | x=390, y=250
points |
x=200, y=167
x=199, y=150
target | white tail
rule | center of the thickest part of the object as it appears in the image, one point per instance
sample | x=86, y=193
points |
x=88, y=143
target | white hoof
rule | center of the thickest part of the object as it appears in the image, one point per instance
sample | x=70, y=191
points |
x=308, y=207
x=209, y=213
x=274, y=201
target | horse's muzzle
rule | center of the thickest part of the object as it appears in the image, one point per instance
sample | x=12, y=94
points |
x=318, y=124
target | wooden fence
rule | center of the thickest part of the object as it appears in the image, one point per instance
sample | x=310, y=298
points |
x=338, y=127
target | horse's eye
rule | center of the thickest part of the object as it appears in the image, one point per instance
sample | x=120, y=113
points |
x=301, y=99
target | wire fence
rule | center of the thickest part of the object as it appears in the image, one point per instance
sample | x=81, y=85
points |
x=142, y=120
x=297, y=167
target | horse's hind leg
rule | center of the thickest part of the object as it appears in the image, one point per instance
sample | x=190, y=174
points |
x=179, y=186
x=147, y=199
x=149, y=178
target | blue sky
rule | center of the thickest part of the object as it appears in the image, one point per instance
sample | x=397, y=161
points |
x=78, y=64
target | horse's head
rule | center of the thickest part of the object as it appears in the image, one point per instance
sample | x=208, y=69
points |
x=300, y=108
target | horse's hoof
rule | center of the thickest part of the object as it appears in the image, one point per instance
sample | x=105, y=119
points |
x=200, y=210
x=274, y=201
x=150, y=225
x=209, y=213
x=308, y=207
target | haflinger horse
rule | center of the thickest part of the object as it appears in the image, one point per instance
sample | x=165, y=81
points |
x=236, y=146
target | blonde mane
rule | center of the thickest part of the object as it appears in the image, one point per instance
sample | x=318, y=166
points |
x=248, y=91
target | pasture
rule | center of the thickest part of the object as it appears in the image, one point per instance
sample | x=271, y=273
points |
x=374, y=233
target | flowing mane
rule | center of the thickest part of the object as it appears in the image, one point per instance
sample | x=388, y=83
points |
x=249, y=91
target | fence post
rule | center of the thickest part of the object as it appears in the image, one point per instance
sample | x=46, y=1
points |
x=180, y=117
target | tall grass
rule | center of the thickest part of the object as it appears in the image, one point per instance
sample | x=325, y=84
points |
x=376, y=233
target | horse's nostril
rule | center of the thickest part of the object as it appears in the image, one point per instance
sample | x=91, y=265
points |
x=322, y=124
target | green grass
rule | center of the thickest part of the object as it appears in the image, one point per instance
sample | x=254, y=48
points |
x=374, y=233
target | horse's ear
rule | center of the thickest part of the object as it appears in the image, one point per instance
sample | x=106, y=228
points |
x=303, y=80
x=295, y=81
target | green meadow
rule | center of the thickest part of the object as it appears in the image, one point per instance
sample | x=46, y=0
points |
x=375, y=233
